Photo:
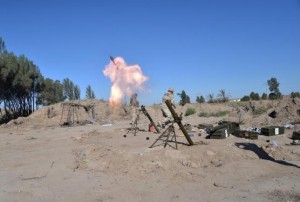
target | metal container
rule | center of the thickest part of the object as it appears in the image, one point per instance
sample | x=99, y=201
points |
x=272, y=130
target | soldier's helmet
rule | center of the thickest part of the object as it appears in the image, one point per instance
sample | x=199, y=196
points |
x=171, y=90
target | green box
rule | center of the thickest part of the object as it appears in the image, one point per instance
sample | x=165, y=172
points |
x=205, y=126
x=272, y=130
x=219, y=134
x=296, y=135
x=253, y=135
x=231, y=126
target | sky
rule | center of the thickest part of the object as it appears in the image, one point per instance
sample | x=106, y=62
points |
x=199, y=46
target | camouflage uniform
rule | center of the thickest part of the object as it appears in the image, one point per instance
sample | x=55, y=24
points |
x=166, y=112
x=252, y=106
x=134, y=104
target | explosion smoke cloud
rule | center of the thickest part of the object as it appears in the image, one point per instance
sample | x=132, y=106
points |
x=125, y=79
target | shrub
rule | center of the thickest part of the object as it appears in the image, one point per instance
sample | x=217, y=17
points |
x=245, y=98
x=295, y=94
x=262, y=110
x=190, y=111
x=203, y=114
x=220, y=113
x=215, y=114
x=254, y=96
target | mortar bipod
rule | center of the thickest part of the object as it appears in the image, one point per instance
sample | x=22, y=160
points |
x=134, y=126
x=167, y=137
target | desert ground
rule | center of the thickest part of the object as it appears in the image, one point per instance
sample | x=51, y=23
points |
x=99, y=161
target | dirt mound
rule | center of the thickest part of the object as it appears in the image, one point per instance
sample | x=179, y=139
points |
x=284, y=111
x=52, y=115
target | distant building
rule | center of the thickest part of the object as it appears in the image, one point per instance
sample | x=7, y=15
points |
x=235, y=100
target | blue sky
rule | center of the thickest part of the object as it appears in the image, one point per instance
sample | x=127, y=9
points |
x=200, y=46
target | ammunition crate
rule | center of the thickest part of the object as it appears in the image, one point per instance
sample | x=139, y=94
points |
x=296, y=135
x=252, y=135
x=219, y=134
x=205, y=126
x=231, y=126
x=272, y=130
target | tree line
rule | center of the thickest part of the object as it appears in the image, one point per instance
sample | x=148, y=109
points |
x=223, y=96
x=274, y=94
x=23, y=87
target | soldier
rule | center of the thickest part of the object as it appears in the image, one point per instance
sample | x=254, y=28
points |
x=252, y=106
x=293, y=99
x=134, y=104
x=164, y=108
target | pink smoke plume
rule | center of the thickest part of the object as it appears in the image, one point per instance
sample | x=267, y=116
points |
x=125, y=79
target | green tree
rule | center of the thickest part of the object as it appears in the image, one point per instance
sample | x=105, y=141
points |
x=295, y=94
x=76, y=92
x=264, y=96
x=2, y=46
x=20, y=85
x=275, y=96
x=210, y=98
x=254, y=96
x=52, y=92
x=274, y=88
x=68, y=89
x=223, y=96
x=184, y=98
x=245, y=98
x=89, y=93
x=200, y=99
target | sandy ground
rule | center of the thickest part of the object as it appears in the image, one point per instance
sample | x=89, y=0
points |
x=95, y=162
